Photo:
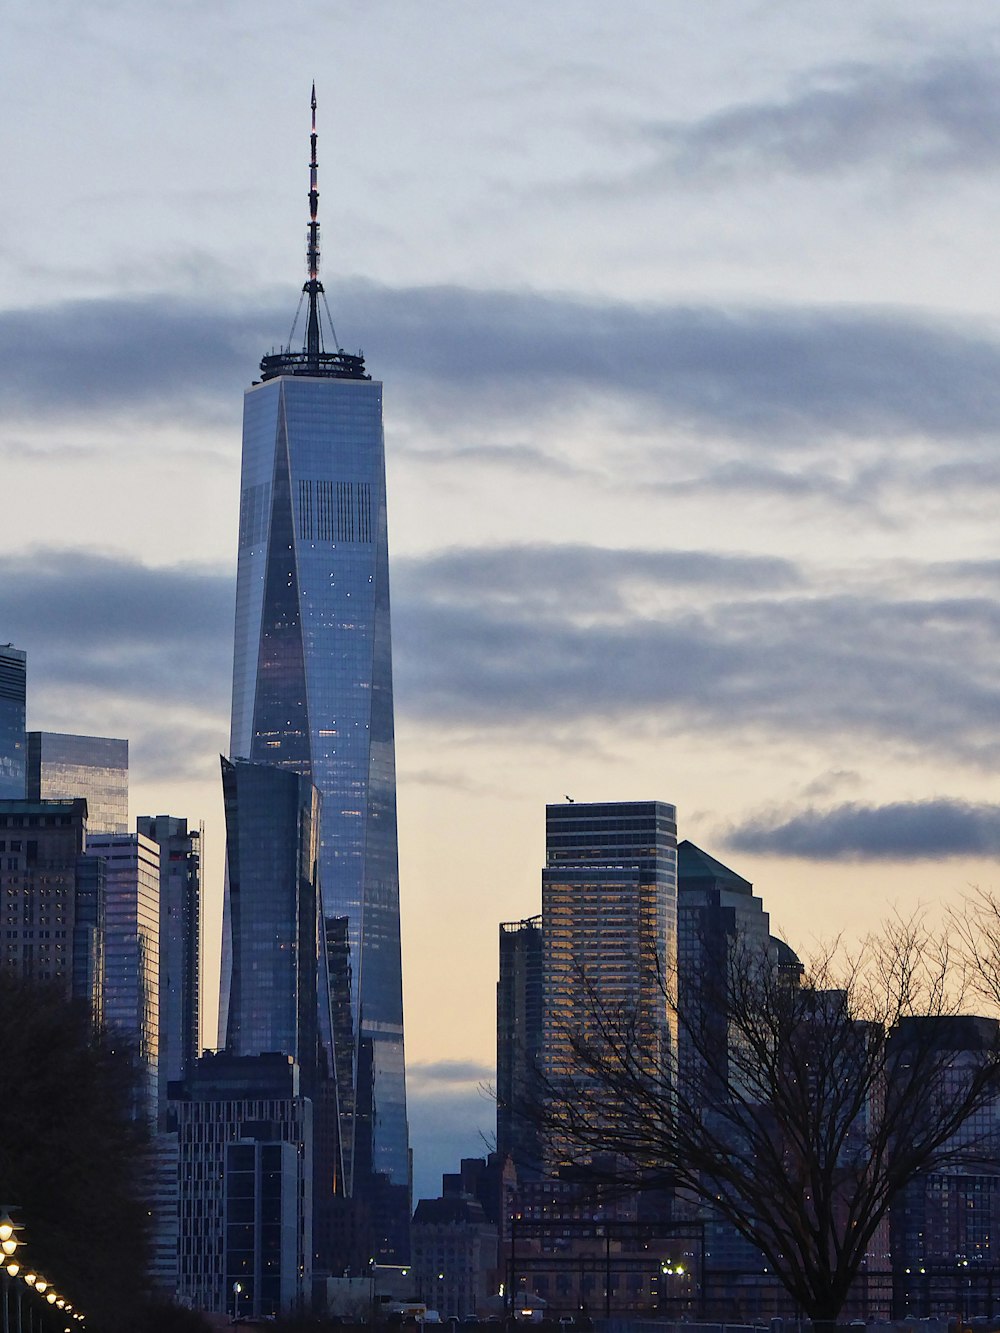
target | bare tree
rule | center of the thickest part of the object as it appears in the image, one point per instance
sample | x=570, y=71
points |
x=802, y=1102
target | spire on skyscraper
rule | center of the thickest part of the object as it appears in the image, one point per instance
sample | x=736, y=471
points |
x=313, y=287
x=313, y=359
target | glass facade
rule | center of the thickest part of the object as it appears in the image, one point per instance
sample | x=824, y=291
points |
x=181, y=850
x=62, y=766
x=13, y=678
x=312, y=684
x=131, y=949
x=272, y=826
x=609, y=925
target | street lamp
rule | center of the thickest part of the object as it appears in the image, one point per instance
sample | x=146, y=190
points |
x=237, y=1289
x=8, y=1247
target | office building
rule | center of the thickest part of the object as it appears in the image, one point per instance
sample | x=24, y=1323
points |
x=945, y=1225
x=720, y=923
x=519, y=1043
x=131, y=951
x=272, y=830
x=609, y=927
x=181, y=850
x=244, y=1132
x=62, y=766
x=51, y=898
x=13, y=742
x=312, y=675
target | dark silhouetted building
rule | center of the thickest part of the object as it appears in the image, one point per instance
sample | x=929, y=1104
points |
x=519, y=1043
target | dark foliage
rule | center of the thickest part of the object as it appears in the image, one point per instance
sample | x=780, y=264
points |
x=71, y=1159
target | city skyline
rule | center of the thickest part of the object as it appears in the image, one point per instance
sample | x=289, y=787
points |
x=688, y=327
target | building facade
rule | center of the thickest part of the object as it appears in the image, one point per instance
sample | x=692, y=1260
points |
x=13, y=739
x=131, y=951
x=244, y=1134
x=312, y=682
x=52, y=899
x=272, y=831
x=181, y=850
x=519, y=1043
x=609, y=926
x=62, y=766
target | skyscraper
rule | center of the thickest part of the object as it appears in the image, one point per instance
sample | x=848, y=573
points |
x=61, y=767
x=180, y=942
x=13, y=677
x=312, y=674
x=131, y=950
x=609, y=926
x=519, y=1042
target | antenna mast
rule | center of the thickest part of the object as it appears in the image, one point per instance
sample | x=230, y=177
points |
x=313, y=360
x=313, y=287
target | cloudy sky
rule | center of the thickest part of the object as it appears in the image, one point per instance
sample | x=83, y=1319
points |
x=687, y=316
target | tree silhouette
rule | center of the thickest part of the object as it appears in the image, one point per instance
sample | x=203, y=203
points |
x=829, y=1089
x=72, y=1160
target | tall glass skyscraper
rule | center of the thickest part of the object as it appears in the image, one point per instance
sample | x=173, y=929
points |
x=312, y=678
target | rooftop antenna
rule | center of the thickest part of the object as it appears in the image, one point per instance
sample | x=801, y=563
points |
x=313, y=287
x=313, y=360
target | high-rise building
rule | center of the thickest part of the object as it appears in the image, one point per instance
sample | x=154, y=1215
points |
x=62, y=766
x=51, y=898
x=131, y=951
x=272, y=827
x=519, y=1043
x=181, y=850
x=720, y=922
x=244, y=1133
x=312, y=675
x=609, y=926
x=13, y=743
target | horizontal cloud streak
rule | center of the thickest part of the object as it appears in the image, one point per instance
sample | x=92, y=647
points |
x=511, y=637
x=786, y=377
x=940, y=116
x=902, y=831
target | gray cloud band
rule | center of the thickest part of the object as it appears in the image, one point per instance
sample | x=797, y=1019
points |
x=903, y=831
x=504, y=638
x=788, y=378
